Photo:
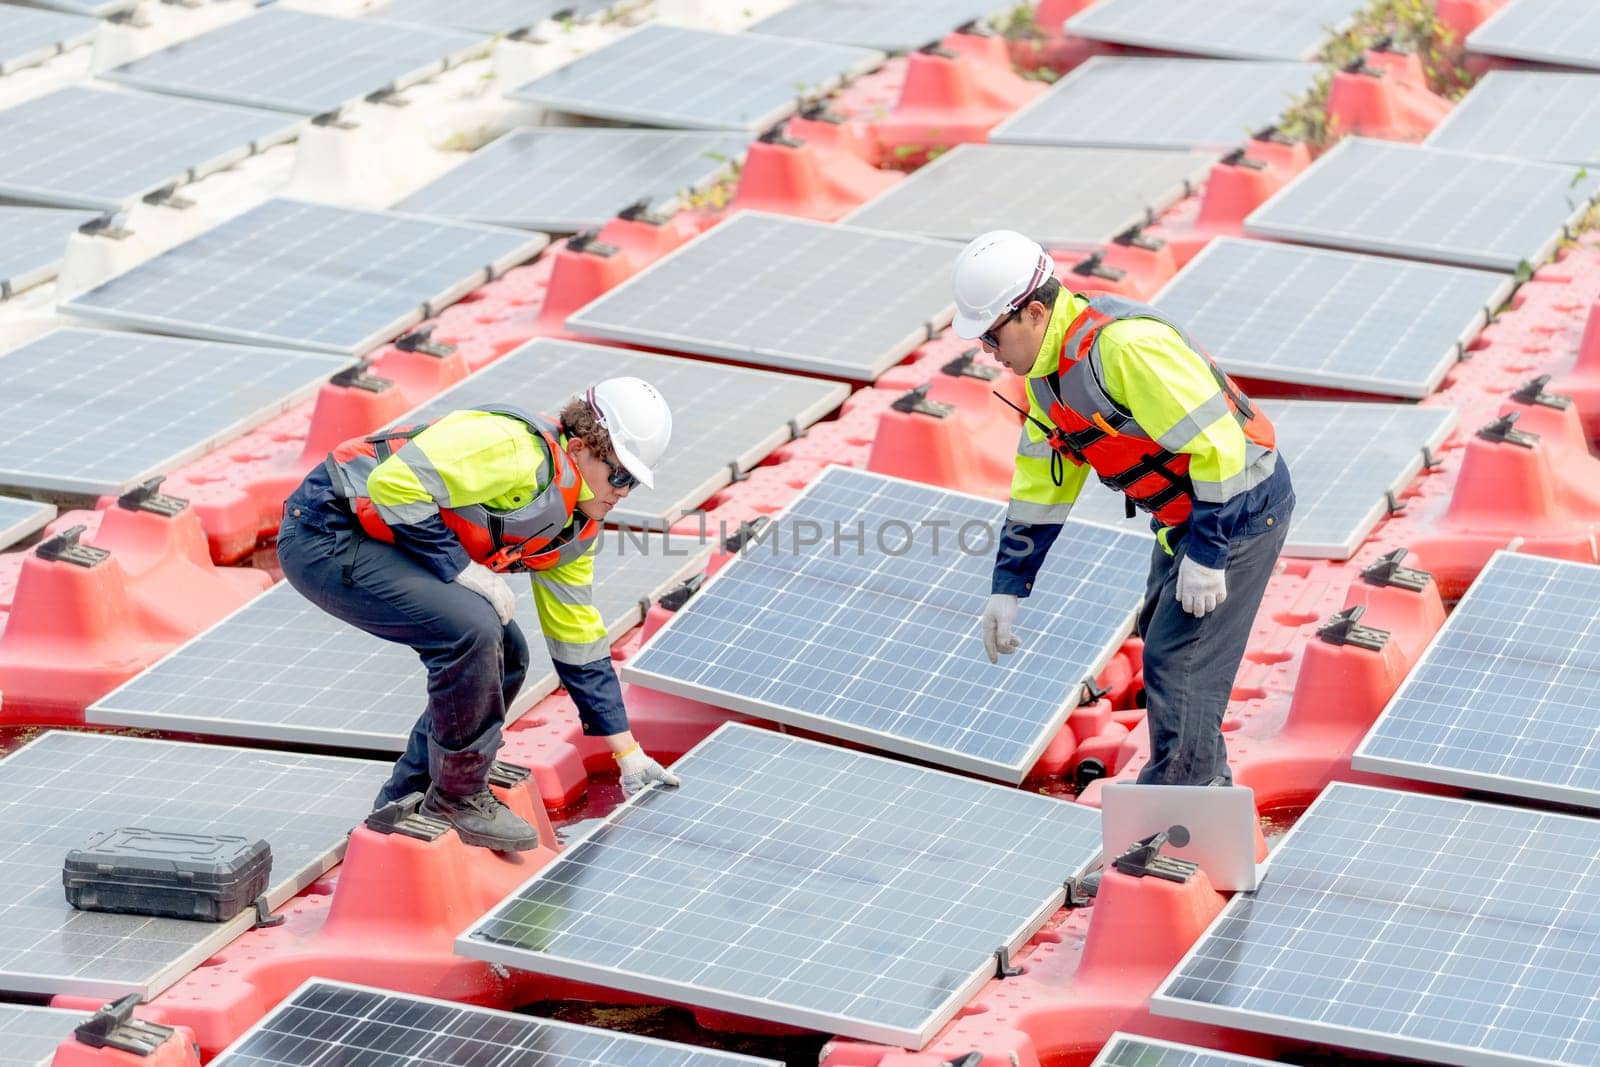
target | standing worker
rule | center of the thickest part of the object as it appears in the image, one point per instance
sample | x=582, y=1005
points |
x=1115, y=387
x=405, y=534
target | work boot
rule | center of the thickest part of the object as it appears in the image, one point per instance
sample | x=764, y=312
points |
x=480, y=819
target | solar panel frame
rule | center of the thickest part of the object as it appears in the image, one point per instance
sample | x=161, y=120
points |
x=262, y=687
x=783, y=756
x=60, y=431
x=65, y=786
x=808, y=69
x=1546, y=116
x=1370, y=300
x=30, y=36
x=898, y=26
x=1168, y=103
x=1223, y=30
x=93, y=8
x=118, y=133
x=30, y=1035
x=867, y=275
x=489, y=16
x=36, y=244
x=1541, y=31
x=400, y=54
x=20, y=519
x=1479, y=694
x=1050, y=691
x=348, y=261
x=708, y=401
x=1359, y=178
x=1069, y=198
x=1131, y=1050
x=1491, y=855
x=518, y=180
x=315, y=1025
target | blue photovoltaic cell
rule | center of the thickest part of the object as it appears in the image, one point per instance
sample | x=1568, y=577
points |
x=324, y=1023
x=306, y=275
x=29, y=1036
x=1563, y=32
x=489, y=16
x=97, y=148
x=22, y=518
x=875, y=640
x=1427, y=203
x=1443, y=930
x=1227, y=29
x=1506, y=699
x=1126, y=1050
x=29, y=36
x=298, y=62
x=670, y=76
x=1528, y=115
x=887, y=25
x=35, y=244
x=797, y=882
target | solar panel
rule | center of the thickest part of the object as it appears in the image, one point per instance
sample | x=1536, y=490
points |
x=1528, y=115
x=272, y=670
x=20, y=519
x=62, y=788
x=98, y=411
x=97, y=8
x=325, y=1023
x=1345, y=460
x=670, y=76
x=35, y=244
x=1062, y=197
x=1445, y=930
x=1506, y=698
x=1427, y=203
x=1126, y=1050
x=29, y=36
x=490, y=16
x=298, y=62
x=800, y=883
x=1227, y=29
x=1127, y=102
x=1305, y=316
x=95, y=148
x=876, y=641
x=726, y=420
x=1563, y=32
x=887, y=25
x=565, y=180
x=303, y=275
x=786, y=293
x=30, y=1035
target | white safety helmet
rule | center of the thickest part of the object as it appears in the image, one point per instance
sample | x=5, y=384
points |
x=992, y=275
x=638, y=420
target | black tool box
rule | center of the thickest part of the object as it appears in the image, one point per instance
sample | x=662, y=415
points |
x=156, y=872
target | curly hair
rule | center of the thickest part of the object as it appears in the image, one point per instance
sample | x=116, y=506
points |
x=578, y=420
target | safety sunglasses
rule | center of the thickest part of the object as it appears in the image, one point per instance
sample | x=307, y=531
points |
x=988, y=336
x=620, y=477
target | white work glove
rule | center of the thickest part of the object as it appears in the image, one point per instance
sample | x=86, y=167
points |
x=998, y=615
x=493, y=588
x=1200, y=589
x=639, y=770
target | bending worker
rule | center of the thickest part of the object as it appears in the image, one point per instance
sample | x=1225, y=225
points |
x=406, y=534
x=1116, y=388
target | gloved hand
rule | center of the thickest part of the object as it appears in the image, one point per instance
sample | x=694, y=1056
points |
x=1200, y=589
x=493, y=588
x=639, y=770
x=998, y=615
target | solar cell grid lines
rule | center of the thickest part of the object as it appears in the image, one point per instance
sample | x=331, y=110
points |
x=671, y=76
x=1562, y=32
x=20, y=519
x=63, y=787
x=1062, y=197
x=35, y=244
x=798, y=882
x=1306, y=316
x=565, y=180
x=29, y=1035
x=307, y=275
x=490, y=16
x=1506, y=698
x=1227, y=29
x=29, y=36
x=887, y=25
x=103, y=149
x=294, y=61
x=1429, y=928
x=1126, y=1050
x=324, y=1023
x=98, y=411
x=1428, y=203
x=855, y=619
x=1133, y=102
x=1529, y=115
x=785, y=293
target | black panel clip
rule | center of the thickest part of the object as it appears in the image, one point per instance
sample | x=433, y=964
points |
x=1345, y=629
x=1092, y=693
x=747, y=535
x=640, y=211
x=265, y=920
x=1003, y=967
x=147, y=496
x=916, y=402
x=404, y=817
x=680, y=594
x=1144, y=859
x=1502, y=430
x=508, y=775
x=966, y=365
x=114, y=1026
x=64, y=548
x=1240, y=158
x=422, y=341
x=1533, y=393
x=1387, y=571
x=1135, y=237
x=360, y=377
x=1094, y=267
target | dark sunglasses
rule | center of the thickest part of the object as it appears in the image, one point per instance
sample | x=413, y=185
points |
x=620, y=477
x=988, y=336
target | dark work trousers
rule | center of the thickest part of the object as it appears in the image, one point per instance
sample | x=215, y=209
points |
x=475, y=665
x=1190, y=663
